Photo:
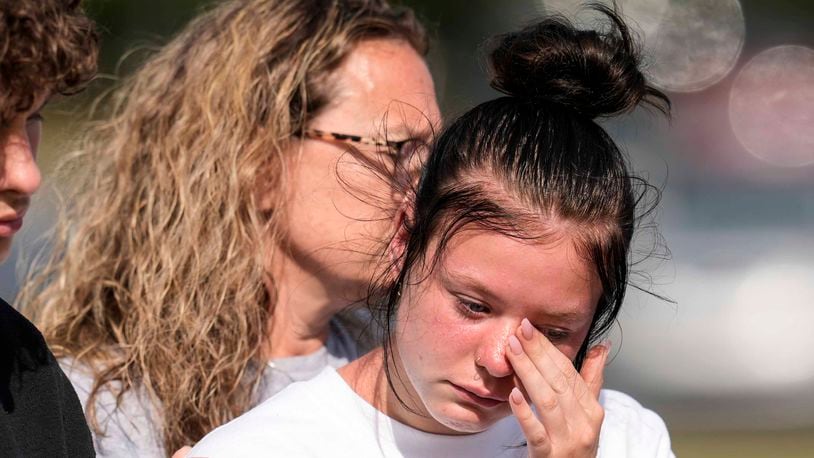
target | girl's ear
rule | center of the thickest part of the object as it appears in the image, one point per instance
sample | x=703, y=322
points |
x=402, y=223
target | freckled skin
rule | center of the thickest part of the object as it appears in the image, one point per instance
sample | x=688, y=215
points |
x=437, y=344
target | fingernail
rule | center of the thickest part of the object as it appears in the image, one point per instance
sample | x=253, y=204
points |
x=526, y=329
x=516, y=396
x=607, y=345
x=515, y=346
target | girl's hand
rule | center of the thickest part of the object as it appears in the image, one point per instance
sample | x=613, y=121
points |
x=569, y=415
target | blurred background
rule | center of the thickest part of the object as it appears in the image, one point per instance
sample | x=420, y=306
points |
x=728, y=361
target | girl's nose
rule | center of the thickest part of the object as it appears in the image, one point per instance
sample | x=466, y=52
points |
x=491, y=355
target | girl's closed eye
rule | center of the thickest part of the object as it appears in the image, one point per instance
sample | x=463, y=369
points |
x=470, y=309
x=554, y=335
x=475, y=310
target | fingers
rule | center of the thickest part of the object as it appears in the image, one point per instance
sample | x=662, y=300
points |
x=550, y=406
x=567, y=416
x=592, y=373
x=537, y=339
x=593, y=368
x=557, y=371
x=536, y=435
x=562, y=395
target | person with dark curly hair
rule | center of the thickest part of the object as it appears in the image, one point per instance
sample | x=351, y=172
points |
x=47, y=47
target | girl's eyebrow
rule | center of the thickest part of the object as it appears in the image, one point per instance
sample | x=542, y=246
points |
x=470, y=282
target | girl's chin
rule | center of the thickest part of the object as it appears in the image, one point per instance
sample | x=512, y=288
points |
x=464, y=421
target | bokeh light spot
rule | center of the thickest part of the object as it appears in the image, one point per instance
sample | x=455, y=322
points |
x=771, y=106
x=643, y=15
x=696, y=45
x=690, y=45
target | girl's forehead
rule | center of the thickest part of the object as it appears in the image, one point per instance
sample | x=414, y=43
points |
x=547, y=277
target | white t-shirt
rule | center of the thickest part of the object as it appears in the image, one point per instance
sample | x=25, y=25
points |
x=132, y=427
x=324, y=417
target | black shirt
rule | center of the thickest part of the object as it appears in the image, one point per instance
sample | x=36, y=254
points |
x=40, y=414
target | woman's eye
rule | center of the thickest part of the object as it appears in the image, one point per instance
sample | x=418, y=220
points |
x=406, y=149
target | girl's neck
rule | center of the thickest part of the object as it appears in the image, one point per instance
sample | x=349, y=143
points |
x=367, y=378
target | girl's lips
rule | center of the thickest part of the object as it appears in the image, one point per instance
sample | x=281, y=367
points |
x=473, y=398
x=10, y=227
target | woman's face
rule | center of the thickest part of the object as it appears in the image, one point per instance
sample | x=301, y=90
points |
x=339, y=209
x=454, y=322
x=19, y=174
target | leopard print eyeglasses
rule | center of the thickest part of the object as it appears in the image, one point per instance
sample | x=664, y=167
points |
x=394, y=147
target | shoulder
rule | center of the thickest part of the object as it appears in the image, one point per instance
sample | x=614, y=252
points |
x=29, y=370
x=288, y=423
x=622, y=409
x=36, y=400
x=20, y=338
x=630, y=429
x=126, y=426
x=79, y=374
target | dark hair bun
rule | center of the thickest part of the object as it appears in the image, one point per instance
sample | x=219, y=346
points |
x=594, y=73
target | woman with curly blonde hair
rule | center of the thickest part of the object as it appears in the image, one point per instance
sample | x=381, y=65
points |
x=228, y=210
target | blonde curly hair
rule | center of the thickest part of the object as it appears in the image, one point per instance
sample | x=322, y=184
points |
x=156, y=279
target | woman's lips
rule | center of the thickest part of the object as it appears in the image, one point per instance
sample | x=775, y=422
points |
x=467, y=395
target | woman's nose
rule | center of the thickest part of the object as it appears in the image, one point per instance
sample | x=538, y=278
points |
x=491, y=355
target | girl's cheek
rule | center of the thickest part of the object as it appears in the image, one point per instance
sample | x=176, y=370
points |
x=434, y=316
x=450, y=323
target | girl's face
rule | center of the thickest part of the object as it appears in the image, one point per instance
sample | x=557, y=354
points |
x=454, y=322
